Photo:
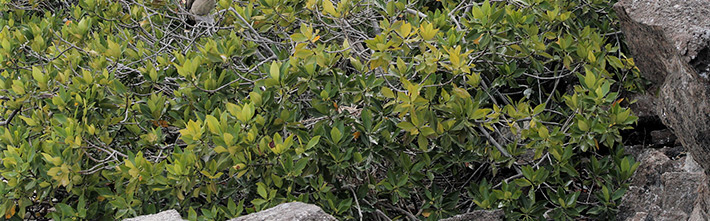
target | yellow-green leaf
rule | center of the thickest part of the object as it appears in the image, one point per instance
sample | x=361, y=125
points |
x=329, y=8
x=29, y=121
x=274, y=71
x=388, y=93
x=213, y=124
x=583, y=125
x=18, y=87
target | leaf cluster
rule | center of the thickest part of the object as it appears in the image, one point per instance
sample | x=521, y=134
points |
x=369, y=109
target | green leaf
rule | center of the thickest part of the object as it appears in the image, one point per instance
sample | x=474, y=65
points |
x=29, y=121
x=409, y=127
x=38, y=75
x=366, y=117
x=387, y=92
x=474, y=79
x=357, y=156
x=232, y=207
x=261, y=190
x=66, y=209
x=298, y=37
x=522, y=182
x=312, y=143
x=615, y=61
x=18, y=87
x=228, y=139
x=583, y=126
x=427, y=131
x=480, y=113
x=538, y=109
x=274, y=71
x=461, y=92
x=191, y=214
x=422, y=142
x=618, y=194
x=255, y=98
x=54, y=160
x=114, y=49
x=590, y=80
x=234, y=109
x=220, y=149
x=335, y=134
x=247, y=113
x=258, y=202
x=213, y=124
x=329, y=8
x=543, y=132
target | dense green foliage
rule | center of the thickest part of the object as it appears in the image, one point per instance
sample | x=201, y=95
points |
x=369, y=109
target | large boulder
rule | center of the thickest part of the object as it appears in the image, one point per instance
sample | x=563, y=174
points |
x=666, y=188
x=295, y=211
x=167, y=215
x=670, y=41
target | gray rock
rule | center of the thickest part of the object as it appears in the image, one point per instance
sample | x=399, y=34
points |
x=643, y=193
x=168, y=215
x=645, y=105
x=478, y=215
x=701, y=212
x=653, y=163
x=666, y=189
x=691, y=166
x=639, y=200
x=295, y=211
x=681, y=191
x=635, y=150
x=670, y=42
x=640, y=216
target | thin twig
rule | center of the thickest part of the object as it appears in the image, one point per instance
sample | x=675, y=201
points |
x=12, y=115
x=357, y=203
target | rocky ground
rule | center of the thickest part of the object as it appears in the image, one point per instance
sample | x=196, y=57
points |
x=668, y=185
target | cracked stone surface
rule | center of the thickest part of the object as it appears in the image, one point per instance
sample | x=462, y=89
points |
x=287, y=212
x=665, y=188
x=168, y=215
x=670, y=43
